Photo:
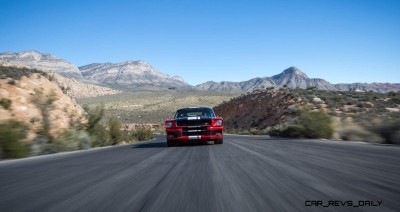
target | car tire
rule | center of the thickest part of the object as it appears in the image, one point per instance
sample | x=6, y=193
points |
x=170, y=143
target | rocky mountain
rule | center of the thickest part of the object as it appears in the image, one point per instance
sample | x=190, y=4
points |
x=293, y=78
x=137, y=75
x=71, y=86
x=131, y=75
x=46, y=62
x=140, y=75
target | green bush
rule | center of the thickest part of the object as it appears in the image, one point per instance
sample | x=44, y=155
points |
x=100, y=136
x=94, y=117
x=254, y=131
x=11, y=135
x=73, y=139
x=316, y=124
x=293, y=131
x=143, y=133
x=114, y=126
x=309, y=124
x=5, y=103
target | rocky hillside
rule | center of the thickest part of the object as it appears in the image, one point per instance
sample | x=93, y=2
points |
x=131, y=75
x=293, y=78
x=78, y=89
x=46, y=62
x=33, y=98
x=260, y=109
x=71, y=86
x=348, y=115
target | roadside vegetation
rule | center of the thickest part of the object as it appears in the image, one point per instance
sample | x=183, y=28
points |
x=94, y=133
x=311, y=113
x=40, y=119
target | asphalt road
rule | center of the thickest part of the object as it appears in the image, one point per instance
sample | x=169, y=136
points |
x=246, y=173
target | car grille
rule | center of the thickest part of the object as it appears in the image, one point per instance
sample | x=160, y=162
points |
x=194, y=131
x=191, y=123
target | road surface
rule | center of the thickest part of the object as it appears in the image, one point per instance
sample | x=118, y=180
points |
x=246, y=173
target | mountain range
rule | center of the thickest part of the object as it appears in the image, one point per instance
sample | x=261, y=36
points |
x=294, y=78
x=140, y=75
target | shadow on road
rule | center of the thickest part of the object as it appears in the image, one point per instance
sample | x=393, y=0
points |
x=164, y=145
x=151, y=145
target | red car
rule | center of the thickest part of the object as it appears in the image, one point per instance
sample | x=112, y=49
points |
x=194, y=124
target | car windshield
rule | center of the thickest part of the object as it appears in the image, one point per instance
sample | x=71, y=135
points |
x=193, y=112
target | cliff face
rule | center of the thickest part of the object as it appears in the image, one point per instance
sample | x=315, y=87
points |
x=29, y=96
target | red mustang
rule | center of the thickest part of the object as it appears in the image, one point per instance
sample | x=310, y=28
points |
x=194, y=124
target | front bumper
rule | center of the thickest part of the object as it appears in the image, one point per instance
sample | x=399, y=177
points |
x=195, y=134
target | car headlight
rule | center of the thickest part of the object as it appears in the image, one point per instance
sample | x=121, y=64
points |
x=219, y=122
x=168, y=124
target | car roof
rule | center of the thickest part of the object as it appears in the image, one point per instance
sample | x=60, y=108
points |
x=194, y=108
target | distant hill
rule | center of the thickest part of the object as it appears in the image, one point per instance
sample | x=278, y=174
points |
x=138, y=75
x=293, y=78
x=46, y=62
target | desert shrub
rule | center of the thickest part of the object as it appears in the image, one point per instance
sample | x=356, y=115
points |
x=73, y=139
x=357, y=133
x=254, y=131
x=232, y=131
x=389, y=130
x=45, y=104
x=70, y=140
x=293, y=131
x=143, y=133
x=391, y=93
x=94, y=116
x=316, y=124
x=6, y=103
x=310, y=124
x=115, y=132
x=128, y=136
x=396, y=99
x=100, y=136
x=11, y=135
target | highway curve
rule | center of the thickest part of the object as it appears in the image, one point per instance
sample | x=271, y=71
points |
x=246, y=173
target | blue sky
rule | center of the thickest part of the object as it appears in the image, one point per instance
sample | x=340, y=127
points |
x=200, y=40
